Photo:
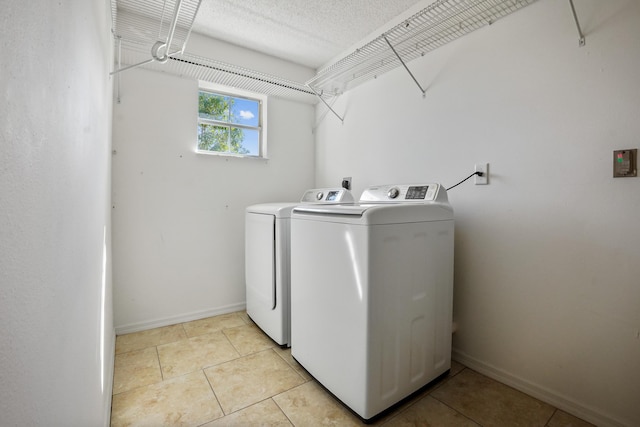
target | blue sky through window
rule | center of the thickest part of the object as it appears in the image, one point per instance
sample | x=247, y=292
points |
x=246, y=112
x=250, y=141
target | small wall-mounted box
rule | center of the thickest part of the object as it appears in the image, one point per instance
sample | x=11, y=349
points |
x=625, y=163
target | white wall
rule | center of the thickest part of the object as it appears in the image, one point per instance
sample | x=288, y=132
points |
x=56, y=324
x=178, y=216
x=547, y=293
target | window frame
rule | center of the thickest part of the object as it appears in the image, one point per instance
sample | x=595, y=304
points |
x=222, y=90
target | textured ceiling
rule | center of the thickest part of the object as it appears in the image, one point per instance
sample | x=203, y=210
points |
x=307, y=32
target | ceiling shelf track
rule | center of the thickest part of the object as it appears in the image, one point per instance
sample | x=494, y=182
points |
x=441, y=22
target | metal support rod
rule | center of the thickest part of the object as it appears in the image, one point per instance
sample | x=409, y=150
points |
x=172, y=31
x=119, y=66
x=128, y=67
x=327, y=104
x=405, y=66
x=323, y=115
x=148, y=61
x=581, y=41
x=166, y=45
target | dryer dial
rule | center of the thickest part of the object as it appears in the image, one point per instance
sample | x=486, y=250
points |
x=393, y=192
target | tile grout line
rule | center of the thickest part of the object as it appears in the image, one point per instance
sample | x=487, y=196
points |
x=457, y=411
x=215, y=396
x=159, y=364
x=551, y=417
x=184, y=330
x=446, y=404
x=396, y=414
x=427, y=394
x=280, y=408
x=520, y=392
x=444, y=381
x=292, y=367
x=145, y=385
x=231, y=343
x=274, y=352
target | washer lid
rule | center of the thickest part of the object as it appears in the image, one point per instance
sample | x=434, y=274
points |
x=375, y=214
x=325, y=196
x=280, y=210
x=386, y=204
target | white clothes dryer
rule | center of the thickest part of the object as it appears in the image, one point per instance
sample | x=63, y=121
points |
x=371, y=297
x=267, y=260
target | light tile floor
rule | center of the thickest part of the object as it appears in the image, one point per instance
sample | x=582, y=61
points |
x=224, y=371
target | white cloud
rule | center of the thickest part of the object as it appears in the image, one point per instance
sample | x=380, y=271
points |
x=247, y=115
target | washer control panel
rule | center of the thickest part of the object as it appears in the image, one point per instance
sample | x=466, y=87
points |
x=411, y=193
x=327, y=195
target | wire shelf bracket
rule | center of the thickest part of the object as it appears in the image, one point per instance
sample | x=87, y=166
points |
x=326, y=103
x=436, y=25
x=581, y=40
x=119, y=66
x=324, y=114
x=424, y=92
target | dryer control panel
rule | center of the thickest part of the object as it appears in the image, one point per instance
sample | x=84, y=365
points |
x=407, y=193
x=327, y=195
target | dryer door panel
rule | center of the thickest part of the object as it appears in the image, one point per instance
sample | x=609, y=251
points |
x=260, y=260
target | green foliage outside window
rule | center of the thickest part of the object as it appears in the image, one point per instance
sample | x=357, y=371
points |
x=228, y=124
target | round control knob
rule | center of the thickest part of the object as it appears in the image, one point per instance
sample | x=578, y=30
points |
x=319, y=195
x=393, y=193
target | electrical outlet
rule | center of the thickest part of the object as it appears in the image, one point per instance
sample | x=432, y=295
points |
x=484, y=179
x=346, y=182
x=624, y=163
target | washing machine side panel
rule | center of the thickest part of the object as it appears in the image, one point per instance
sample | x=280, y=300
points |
x=283, y=280
x=329, y=297
x=411, y=291
x=260, y=274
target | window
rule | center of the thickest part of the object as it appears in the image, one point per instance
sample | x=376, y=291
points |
x=230, y=123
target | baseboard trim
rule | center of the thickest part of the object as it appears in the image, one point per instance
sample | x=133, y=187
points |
x=172, y=320
x=546, y=395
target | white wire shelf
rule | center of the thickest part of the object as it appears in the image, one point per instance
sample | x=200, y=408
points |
x=149, y=21
x=219, y=72
x=434, y=26
x=138, y=24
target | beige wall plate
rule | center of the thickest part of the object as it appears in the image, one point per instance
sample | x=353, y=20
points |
x=625, y=163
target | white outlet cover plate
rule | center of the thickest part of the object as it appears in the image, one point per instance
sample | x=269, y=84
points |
x=484, y=179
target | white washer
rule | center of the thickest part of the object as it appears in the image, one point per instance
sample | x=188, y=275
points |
x=267, y=262
x=371, y=298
